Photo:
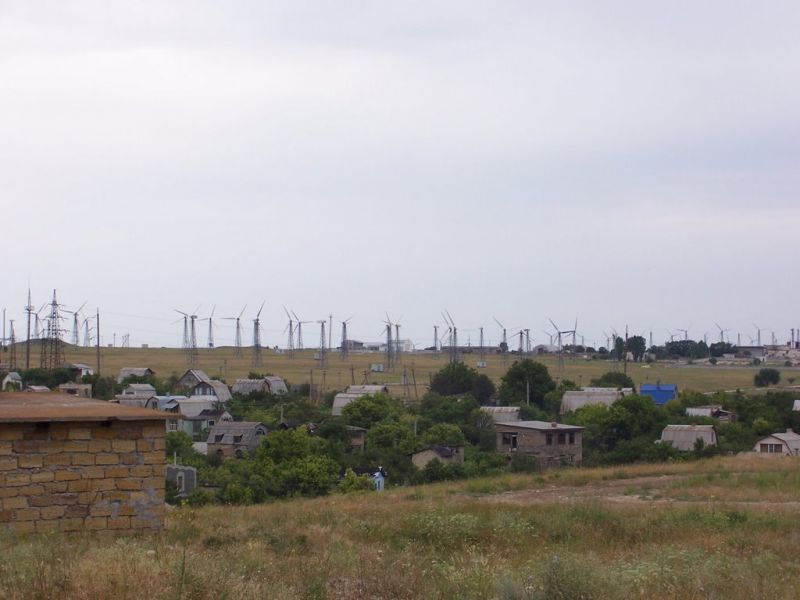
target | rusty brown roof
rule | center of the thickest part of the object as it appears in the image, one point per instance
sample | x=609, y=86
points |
x=20, y=407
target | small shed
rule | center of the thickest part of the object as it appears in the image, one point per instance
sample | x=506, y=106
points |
x=358, y=437
x=126, y=372
x=712, y=411
x=684, y=437
x=449, y=455
x=12, y=382
x=276, y=385
x=76, y=389
x=575, y=399
x=69, y=463
x=661, y=393
x=183, y=477
x=786, y=444
x=243, y=387
x=235, y=439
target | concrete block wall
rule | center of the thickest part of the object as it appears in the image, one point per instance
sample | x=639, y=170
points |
x=82, y=475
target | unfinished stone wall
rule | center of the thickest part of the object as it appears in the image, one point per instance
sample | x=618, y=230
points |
x=82, y=475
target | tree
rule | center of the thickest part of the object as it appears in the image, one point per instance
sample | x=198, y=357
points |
x=637, y=346
x=391, y=435
x=457, y=378
x=368, y=410
x=614, y=379
x=443, y=434
x=356, y=483
x=767, y=376
x=524, y=376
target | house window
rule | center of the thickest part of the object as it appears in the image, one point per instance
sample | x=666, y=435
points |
x=510, y=439
x=237, y=439
x=180, y=482
x=211, y=423
x=548, y=438
x=571, y=437
x=172, y=426
x=562, y=439
x=771, y=448
x=218, y=438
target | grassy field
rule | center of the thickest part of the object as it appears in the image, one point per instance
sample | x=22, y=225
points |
x=417, y=367
x=732, y=534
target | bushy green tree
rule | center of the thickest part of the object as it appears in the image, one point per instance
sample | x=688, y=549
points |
x=370, y=409
x=766, y=377
x=444, y=434
x=615, y=379
x=521, y=376
x=457, y=378
x=351, y=483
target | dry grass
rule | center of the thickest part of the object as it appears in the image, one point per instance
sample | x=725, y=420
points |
x=441, y=541
x=418, y=367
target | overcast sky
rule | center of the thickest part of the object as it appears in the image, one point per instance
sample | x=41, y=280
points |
x=618, y=162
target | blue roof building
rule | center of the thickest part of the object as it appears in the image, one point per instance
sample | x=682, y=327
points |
x=661, y=393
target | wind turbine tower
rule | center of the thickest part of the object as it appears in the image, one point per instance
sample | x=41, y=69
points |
x=322, y=343
x=257, y=337
x=237, y=344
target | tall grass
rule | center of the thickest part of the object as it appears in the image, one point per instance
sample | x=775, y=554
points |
x=442, y=541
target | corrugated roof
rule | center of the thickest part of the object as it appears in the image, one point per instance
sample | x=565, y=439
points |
x=37, y=408
x=248, y=386
x=540, y=425
x=683, y=437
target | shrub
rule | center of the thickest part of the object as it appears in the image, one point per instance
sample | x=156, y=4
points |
x=767, y=376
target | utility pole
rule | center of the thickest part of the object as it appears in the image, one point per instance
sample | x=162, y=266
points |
x=98, y=341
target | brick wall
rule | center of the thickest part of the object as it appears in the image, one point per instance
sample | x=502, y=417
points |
x=82, y=476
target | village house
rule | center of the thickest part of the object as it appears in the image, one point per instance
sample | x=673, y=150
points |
x=126, y=372
x=193, y=416
x=354, y=392
x=502, y=414
x=214, y=390
x=235, y=438
x=191, y=378
x=575, y=399
x=786, y=444
x=69, y=463
x=448, y=455
x=136, y=394
x=552, y=444
x=270, y=385
x=684, y=437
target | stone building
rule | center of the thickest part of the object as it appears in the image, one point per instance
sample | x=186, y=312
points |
x=69, y=463
x=552, y=444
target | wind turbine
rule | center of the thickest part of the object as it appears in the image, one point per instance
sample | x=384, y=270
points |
x=185, y=344
x=389, y=344
x=210, y=320
x=560, y=343
x=454, y=338
x=322, y=343
x=345, y=347
x=237, y=344
x=75, y=335
x=758, y=331
x=504, y=344
x=257, y=337
x=299, y=330
x=721, y=332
